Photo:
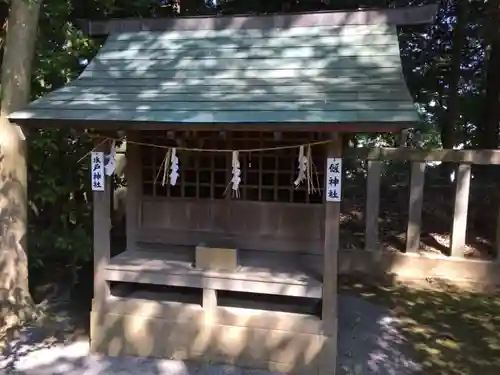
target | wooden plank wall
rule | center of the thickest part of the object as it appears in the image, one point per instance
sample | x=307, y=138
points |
x=272, y=226
x=281, y=227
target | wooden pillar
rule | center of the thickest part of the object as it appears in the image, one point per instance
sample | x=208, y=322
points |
x=459, y=227
x=102, y=236
x=415, y=206
x=329, y=313
x=133, y=173
x=372, y=204
x=209, y=304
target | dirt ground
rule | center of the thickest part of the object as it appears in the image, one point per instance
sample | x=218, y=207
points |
x=369, y=341
x=385, y=328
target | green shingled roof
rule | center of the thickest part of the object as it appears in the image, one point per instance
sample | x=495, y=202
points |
x=320, y=74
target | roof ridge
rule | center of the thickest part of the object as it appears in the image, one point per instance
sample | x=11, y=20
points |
x=394, y=16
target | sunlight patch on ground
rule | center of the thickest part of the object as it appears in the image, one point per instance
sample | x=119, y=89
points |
x=450, y=331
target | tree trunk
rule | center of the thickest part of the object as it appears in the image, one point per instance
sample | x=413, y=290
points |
x=15, y=300
x=488, y=127
x=488, y=136
x=448, y=128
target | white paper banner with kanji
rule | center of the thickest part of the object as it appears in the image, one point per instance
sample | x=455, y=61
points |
x=333, y=181
x=97, y=170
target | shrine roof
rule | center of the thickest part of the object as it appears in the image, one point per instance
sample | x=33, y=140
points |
x=309, y=69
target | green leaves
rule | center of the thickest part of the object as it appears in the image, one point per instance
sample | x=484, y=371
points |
x=60, y=225
x=60, y=222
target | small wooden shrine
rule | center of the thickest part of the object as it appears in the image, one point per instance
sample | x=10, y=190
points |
x=233, y=147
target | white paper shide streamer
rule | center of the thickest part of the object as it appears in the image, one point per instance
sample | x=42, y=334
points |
x=110, y=166
x=236, y=174
x=165, y=162
x=302, y=167
x=174, y=167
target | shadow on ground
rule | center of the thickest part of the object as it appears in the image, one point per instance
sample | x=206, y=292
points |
x=446, y=330
x=369, y=344
x=385, y=329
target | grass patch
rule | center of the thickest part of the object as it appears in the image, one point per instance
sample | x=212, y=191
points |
x=452, y=331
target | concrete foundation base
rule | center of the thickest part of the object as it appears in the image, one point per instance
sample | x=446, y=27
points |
x=282, y=342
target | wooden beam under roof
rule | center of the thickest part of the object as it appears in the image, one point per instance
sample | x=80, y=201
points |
x=395, y=16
